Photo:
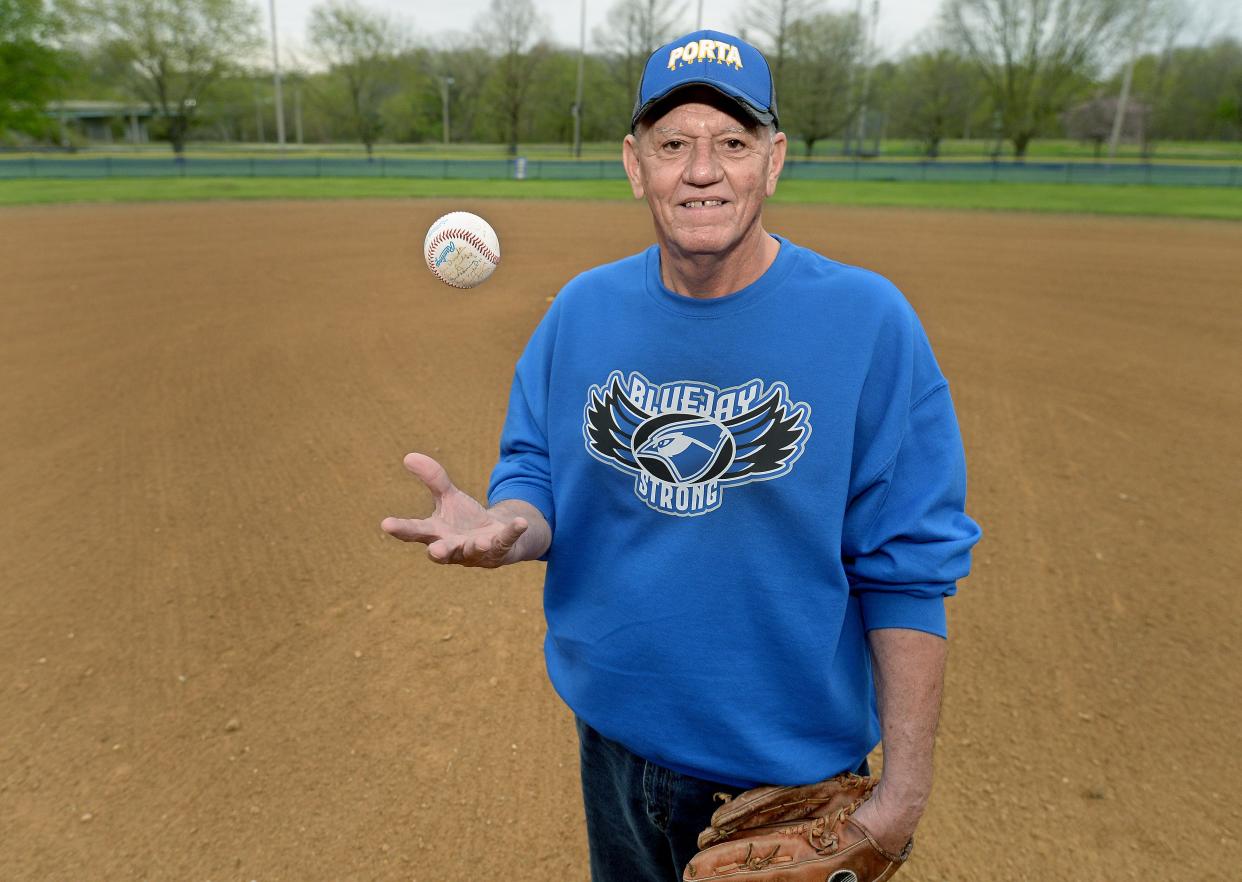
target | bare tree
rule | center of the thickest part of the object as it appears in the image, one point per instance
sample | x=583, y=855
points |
x=772, y=20
x=515, y=29
x=635, y=29
x=359, y=46
x=1036, y=55
x=174, y=50
x=818, y=101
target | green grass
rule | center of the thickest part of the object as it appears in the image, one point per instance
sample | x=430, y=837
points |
x=194, y=189
x=1046, y=149
x=1201, y=202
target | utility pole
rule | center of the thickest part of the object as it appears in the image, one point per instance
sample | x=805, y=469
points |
x=698, y=21
x=578, y=92
x=853, y=72
x=280, y=101
x=868, y=46
x=297, y=111
x=258, y=115
x=445, y=82
x=1120, y=116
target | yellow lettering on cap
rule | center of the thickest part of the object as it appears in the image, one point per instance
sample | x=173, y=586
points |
x=690, y=52
x=734, y=58
x=707, y=50
x=672, y=58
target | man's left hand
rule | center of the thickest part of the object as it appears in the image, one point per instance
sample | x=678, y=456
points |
x=890, y=821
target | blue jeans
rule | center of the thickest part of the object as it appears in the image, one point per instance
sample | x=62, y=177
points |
x=643, y=820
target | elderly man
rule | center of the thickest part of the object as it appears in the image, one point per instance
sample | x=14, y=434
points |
x=741, y=463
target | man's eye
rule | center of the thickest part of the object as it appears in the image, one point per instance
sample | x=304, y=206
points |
x=674, y=145
x=735, y=143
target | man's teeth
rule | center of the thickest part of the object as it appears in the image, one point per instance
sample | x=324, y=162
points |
x=703, y=203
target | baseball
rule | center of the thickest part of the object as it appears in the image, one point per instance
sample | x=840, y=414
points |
x=461, y=249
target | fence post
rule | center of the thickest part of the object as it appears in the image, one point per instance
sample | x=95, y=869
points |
x=252, y=166
x=383, y=168
x=318, y=166
x=995, y=167
x=108, y=165
x=1149, y=173
x=1069, y=172
x=1233, y=175
x=34, y=170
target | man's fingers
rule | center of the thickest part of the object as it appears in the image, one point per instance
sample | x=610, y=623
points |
x=477, y=549
x=409, y=529
x=429, y=472
x=440, y=551
x=511, y=532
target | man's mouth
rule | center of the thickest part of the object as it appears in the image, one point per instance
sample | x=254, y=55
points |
x=703, y=203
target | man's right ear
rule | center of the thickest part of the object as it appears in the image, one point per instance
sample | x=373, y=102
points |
x=629, y=159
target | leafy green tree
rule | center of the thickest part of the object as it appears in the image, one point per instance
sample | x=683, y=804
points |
x=30, y=68
x=413, y=112
x=1203, y=83
x=933, y=96
x=469, y=65
x=1189, y=90
x=1036, y=56
x=174, y=51
x=817, y=101
x=514, y=28
x=360, y=47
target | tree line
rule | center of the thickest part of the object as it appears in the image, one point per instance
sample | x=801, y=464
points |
x=1006, y=70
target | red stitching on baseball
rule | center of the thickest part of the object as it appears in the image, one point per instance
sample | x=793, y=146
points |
x=466, y=235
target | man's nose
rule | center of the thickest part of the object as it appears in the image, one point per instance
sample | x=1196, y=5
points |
x=703, y=166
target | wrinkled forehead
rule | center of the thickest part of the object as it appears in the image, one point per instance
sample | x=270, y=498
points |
x=696, y=107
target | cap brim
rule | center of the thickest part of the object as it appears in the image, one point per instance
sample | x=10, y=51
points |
x=763, y=117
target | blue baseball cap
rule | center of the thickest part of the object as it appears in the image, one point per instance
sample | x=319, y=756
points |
x=720, y=61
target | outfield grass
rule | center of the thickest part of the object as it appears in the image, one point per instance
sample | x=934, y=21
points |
x=953, y=149
x=1201, y=202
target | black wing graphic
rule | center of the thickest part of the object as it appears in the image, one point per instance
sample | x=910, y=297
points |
x=610, y=423
x=767, y=436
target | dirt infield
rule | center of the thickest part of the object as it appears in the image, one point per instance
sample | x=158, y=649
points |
x=213, y=665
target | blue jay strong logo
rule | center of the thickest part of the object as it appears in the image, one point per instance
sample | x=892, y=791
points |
x=686, y=441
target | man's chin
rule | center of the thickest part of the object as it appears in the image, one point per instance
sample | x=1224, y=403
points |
x=702, y=240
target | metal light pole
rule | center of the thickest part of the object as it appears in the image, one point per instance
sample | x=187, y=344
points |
x=297, y=111
x=868, y=48
x=578, y=92
x=698, y=25
x=445, y=82
x=1119, y=117
x=280, y=101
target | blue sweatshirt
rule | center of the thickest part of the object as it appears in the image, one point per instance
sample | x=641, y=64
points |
x=739, y=488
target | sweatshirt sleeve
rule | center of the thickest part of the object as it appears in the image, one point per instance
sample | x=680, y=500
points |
x=907, y=538
x=523, y=470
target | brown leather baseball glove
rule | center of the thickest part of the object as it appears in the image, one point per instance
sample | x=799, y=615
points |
x=794, y=834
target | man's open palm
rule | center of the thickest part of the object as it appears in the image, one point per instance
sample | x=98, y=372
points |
x=460, y=530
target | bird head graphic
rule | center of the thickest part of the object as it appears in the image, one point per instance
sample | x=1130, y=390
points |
x=683, y=448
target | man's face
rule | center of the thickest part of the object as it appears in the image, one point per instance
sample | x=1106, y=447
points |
x=704, y=172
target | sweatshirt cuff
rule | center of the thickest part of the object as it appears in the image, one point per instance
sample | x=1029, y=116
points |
x=538, y=496
x=900, y=609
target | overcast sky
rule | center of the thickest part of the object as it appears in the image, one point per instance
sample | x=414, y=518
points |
x=900, y=20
